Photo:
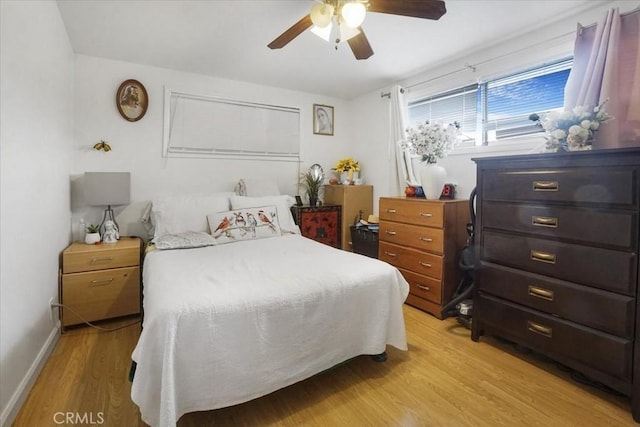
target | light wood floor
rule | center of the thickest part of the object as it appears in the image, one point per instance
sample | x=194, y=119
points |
x=444, y=379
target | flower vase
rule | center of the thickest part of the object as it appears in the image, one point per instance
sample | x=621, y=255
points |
x=432, y=178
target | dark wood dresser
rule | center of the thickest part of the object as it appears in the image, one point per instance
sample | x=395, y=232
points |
x=557, y=237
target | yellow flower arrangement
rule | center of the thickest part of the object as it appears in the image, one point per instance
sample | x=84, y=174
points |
x=347, y=164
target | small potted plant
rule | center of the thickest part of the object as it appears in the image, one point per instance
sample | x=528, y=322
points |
x=92, y=235
x=312, y=183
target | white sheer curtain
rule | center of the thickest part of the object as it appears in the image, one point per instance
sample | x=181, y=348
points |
x=401, y=172
x=607, y=67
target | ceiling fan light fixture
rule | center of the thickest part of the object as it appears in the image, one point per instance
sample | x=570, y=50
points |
x=353, y=14
x=346, y=32
x=323, y=32
x=321, y=14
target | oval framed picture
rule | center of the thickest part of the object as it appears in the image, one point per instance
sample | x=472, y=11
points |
x=132, y=100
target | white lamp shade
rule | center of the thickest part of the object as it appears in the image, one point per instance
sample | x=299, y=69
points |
x=323, y=32
x=107, y=188
x=353, y=14
x=321, y=14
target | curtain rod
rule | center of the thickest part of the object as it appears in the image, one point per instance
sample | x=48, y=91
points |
x=473, y=66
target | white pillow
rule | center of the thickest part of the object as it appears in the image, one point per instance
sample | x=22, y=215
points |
x=186, y=240
x=244, y=224
x=188, y=212
x=282, y=203
x=257, y=188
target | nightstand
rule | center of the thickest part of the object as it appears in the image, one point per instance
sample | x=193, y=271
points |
x=320, y=223
x=100, y=281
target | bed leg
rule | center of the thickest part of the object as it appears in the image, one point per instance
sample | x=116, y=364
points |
x=382, y=357
x=132, y=371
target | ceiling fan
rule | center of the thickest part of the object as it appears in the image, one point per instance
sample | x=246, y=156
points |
x=343, y=18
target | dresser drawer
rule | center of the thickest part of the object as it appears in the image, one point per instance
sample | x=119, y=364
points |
x=601, y=268
x=598, y=309
x=424, y=238
x=604, y=228
x=101, y=294
x=423, y=286
x=603, y=185
x=557, y=337
x=411, y=259
x=418, y=212
x=98, y=257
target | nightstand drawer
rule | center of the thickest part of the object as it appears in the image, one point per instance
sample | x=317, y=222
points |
x=81, y=257
x=418, y=212
x=100, y=294
x=423, y=238
x=411, y=259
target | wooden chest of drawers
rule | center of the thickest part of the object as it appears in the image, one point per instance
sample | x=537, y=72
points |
x=558, y=239
x=424, y=238
x=100, y=281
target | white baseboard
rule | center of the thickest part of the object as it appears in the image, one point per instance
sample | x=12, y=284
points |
x=10, y=412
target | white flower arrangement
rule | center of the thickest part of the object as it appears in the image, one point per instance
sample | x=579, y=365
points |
x=572, y=130
x=431, y=141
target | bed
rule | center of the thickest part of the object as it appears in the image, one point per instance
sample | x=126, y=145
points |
x=234, y=320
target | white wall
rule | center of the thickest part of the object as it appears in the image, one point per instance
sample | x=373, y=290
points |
x=35, y=159
x=137, y=146
x=544, y=44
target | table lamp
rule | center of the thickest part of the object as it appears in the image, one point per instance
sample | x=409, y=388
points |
x=107, y=189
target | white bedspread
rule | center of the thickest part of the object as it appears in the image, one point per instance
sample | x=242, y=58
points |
x=227, y=324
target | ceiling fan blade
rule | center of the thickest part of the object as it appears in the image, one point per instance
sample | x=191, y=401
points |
x=294, y=31
x=426, y=9
x=360, y=45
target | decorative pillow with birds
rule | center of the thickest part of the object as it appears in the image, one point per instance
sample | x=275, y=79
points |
x=244, y=224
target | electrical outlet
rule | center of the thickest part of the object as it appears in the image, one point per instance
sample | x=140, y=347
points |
x=51, y=308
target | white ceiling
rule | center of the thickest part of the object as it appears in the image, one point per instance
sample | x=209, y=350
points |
x=229, y=39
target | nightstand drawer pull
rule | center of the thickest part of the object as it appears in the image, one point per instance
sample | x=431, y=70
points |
x=537, y=292
x=426, y=239
x=545, y=331
x=391, y=233
x=543, y=257
x=101, y=282
x=391, y=211
x=426, y=215
x=544, y=221
x=391, y=254
x=106, y=259
x=423, y=287
x=545, y=185
x=425, y=264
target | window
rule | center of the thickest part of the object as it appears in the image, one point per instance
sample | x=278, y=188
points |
x=499, y=108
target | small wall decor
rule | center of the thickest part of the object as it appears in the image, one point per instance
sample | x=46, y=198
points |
x=102, y=145
x=322, y=119
x=132, y=100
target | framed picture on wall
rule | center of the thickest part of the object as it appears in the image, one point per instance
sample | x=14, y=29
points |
x=322, y=119
x=132, y=100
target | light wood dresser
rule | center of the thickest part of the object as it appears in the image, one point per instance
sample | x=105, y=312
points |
x=558, y=239
x=353, y=199
x=424, y=239
x=100, y=281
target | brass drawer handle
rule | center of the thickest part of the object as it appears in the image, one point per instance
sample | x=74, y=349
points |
x=426, y=214
x=423, y=287
x=391, y=254
x=101, y=282
x=537, y=292
x=107, y=259
x=425, y=264
x=544, y=221
x=391, y=233
x=543, y=257
x=426, y=239
x=391, y=211
x=539, y=329
x=545, y=185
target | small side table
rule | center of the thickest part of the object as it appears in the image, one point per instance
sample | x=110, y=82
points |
x=320, y=223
